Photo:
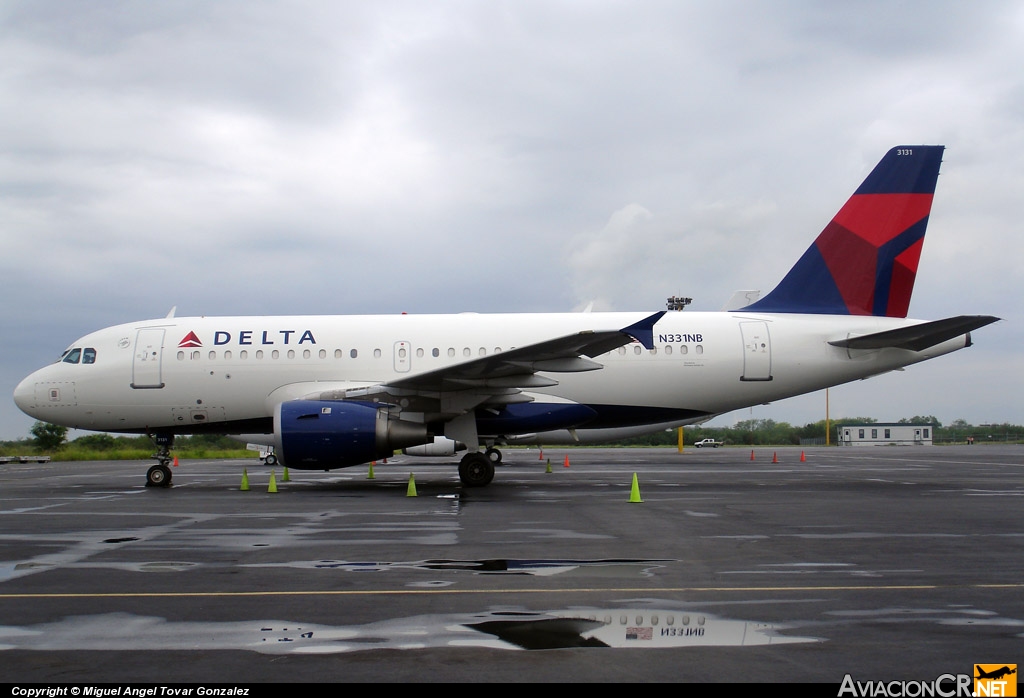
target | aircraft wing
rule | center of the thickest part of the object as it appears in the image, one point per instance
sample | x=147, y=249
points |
x=517, y=367
x=918, y=337
x=500, y=378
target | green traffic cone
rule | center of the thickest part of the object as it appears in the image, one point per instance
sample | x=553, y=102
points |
x=634, y=493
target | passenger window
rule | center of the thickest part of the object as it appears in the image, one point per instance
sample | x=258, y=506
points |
x=89, y=356
x=73, y=356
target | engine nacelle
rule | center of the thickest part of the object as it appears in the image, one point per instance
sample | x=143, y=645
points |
x=321, y=434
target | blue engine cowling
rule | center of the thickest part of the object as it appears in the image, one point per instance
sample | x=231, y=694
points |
x=321, y=434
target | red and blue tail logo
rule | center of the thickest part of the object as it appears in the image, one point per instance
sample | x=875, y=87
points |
x=865, y=261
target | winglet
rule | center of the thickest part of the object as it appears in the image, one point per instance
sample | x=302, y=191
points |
x=643, y=331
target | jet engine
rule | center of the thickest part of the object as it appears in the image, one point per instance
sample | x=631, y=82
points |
x=321, y=434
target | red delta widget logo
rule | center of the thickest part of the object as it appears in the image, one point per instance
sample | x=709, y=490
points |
x=251, y=337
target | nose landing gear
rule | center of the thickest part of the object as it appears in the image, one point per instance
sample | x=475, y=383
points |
x=160, y=475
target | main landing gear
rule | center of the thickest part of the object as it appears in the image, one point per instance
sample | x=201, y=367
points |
x=476, y=469
x=160, y=475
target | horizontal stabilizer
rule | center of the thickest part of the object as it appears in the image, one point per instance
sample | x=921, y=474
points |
x=918, y=337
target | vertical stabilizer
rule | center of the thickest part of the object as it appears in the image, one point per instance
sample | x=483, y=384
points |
x=865, y=260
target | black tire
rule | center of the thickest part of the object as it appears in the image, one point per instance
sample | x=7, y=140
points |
x=271, y=459
x=476, y=470
x=158, y=476
x=493, y=455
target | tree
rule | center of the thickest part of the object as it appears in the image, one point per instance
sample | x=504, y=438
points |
x=99, y=442
x=920, y=419
x=49, y=437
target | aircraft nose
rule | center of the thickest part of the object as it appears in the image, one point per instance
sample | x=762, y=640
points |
x=25, y=395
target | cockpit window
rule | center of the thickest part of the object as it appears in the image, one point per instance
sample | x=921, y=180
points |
x=73, y=356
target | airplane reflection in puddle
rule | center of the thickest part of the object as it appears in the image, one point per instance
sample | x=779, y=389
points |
x=494, y=566
x=512, y=630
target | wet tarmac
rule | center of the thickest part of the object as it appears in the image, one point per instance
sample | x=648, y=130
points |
x=882, y=563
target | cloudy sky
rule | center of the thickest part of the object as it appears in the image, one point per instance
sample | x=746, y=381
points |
x=245, y=157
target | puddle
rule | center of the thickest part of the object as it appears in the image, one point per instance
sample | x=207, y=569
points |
x=498, y=566
x=511, y=630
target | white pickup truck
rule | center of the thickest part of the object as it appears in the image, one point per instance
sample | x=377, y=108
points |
x=707, y=442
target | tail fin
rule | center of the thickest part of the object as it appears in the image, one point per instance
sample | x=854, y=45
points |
x=864, y=262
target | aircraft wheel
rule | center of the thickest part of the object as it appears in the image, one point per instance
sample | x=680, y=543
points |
x=476, y=470
x=271, y=459
x=493, y=455
x=158, y=476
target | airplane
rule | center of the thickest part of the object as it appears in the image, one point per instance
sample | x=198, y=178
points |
x=337, y=391
x=994, y=674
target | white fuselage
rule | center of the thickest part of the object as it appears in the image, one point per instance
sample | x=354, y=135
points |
x=227, y=374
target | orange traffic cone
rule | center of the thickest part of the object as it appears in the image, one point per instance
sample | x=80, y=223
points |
x=803, y=458
x=751, y=454
x=175, y=461
x=566, y=463
x=541, y=456
x=775, y=457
